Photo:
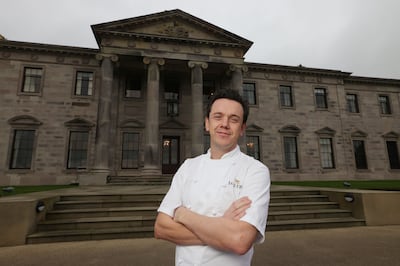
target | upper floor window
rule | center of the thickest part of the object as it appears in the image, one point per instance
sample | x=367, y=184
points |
x=84, y=83
x=249, y=92
x=171, y=95
x=320, y=98
x=208, y=90
x=384, y=104
x=78, y=150
x=286, y=96
x=130, y=150
x=352, y=103
x=253, y=147
x=32, y=82
x=133, y=87
x=22, y=149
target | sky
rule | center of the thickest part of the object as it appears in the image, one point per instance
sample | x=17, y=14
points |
x=357, y=36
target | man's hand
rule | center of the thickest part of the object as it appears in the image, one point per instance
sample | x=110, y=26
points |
x=238, y=209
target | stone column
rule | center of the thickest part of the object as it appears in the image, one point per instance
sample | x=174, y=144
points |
x=101, y=168
x=236, y=72
x=197, y=106
x=152, y=164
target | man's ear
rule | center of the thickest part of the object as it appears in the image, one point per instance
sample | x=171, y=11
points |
x=243, y=128
x=206, y=124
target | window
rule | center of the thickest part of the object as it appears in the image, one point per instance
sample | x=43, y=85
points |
x=326, y=149
x=359, y=154
x=22, y=149
x=130, y=150
x=208, y=90
x=84, y=83
x=133, y=87
x=249, y=93
x=171, y=95
x=352, y=103
x=384, y=104
x=320, y=98
x=393, y=154
x=286, y=96
x=32, y=80
x=77, y=150
x=290, y=149
x=253, y=147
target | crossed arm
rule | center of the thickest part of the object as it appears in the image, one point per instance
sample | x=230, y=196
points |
x=226, y=233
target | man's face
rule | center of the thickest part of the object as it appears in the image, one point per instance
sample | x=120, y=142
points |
x=225, y=124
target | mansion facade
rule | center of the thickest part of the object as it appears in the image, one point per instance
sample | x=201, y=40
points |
x=134, y=108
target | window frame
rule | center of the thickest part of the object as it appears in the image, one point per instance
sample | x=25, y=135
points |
x=253, y=91
x=136, y=79
x=363, y=140
x=258, y=141
x=23, y=80
x=331, y=154
x=387, y=105
x=75, y=83
x=31, y=154
x=291, y=94
x=137, y=151
x=86, y=166
x=357, y=103
x=324, y=96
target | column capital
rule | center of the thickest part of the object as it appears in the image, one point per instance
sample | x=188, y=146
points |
x=242, y=68
x=193, y=64
x=158, y=61
x=113, y=57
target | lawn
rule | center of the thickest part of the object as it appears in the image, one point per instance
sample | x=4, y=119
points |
x=14, y=190
x=393, y=185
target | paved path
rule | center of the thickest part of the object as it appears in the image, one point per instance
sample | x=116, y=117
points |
x=355, y=246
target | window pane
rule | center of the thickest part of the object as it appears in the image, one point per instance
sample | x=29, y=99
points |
x=384, y=104
x=133, y=88
x=84, y=83
x=249, y=92
x=285, y=93
x=290, y=149
x=32, y=80
x=253, y=147
x=130, y=150
x=77, y=150
x=359, y=154
x=22, y=149
x=393, y=154
x=320, y=98
x=352, y=103
x=208, y=90
x=327, y=159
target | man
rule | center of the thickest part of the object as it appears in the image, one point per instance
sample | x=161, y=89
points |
x=216, y=208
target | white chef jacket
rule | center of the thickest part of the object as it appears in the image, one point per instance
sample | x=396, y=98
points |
x=208, y=187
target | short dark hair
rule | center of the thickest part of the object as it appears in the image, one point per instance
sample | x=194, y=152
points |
x=230, y=95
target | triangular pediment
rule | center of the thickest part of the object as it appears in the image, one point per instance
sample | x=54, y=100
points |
x=359, y=134
x=132, y=123
x=325, y=131
x=78, y=122
x=391, y=135
x=254, y=128
x=24, y=120
x=173, y=124
x=172, y=25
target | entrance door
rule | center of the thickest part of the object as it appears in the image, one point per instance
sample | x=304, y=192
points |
x=170, y=154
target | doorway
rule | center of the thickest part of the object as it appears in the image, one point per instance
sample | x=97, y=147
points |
x=170, y=154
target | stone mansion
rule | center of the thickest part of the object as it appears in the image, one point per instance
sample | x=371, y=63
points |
x=134, y=108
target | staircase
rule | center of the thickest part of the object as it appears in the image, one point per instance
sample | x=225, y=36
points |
x=96, y=217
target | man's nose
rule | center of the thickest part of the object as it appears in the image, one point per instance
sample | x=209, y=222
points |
x=225, y=122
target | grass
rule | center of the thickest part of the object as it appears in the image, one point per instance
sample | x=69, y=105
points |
x=390, y=185
x=29, y=189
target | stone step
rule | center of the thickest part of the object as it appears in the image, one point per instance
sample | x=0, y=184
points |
x=85, y=234
x=307, y=214
x=110, y=197
x=91, y=204
x=298, y=198
x=288, y=192
x=101, y=212
x=97, y=223
x=293, y=206
x=301, y=224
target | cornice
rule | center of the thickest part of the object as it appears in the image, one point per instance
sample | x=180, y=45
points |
x=39, y=47
x=368, y=80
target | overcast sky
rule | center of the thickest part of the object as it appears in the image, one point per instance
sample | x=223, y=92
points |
x=358, y=36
